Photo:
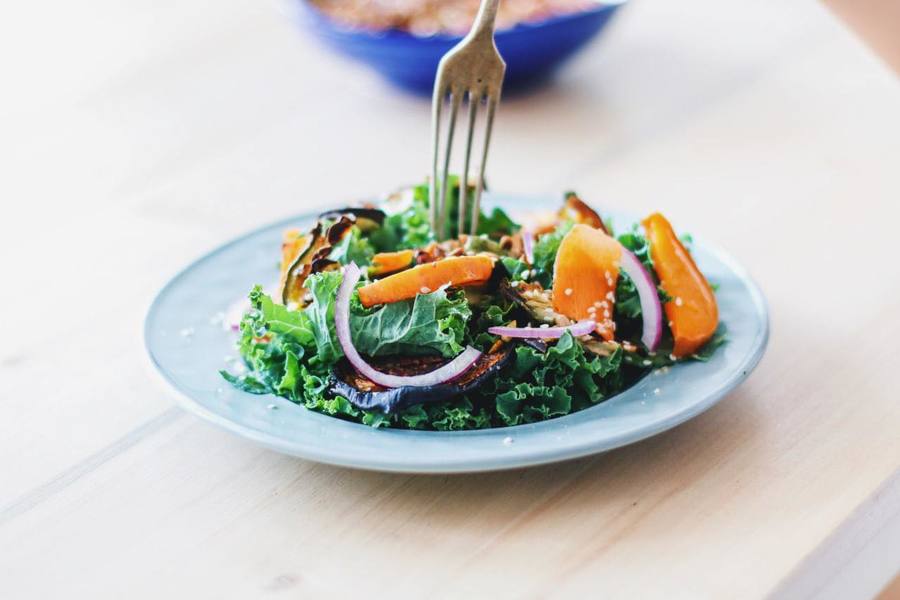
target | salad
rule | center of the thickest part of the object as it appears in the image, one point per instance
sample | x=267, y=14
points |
x=376, y=322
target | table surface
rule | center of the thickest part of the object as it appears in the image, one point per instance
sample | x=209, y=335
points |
x=140, y=134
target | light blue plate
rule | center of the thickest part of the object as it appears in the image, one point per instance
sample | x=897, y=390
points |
x=188, y=345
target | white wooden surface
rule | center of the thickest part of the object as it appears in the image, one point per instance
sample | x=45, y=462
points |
x=137, y=134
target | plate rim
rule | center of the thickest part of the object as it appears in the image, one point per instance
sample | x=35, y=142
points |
x=541, y=455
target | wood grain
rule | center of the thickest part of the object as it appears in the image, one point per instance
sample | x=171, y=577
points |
x=141, y=134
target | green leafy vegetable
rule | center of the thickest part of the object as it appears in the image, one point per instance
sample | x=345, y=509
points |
x=539, y=385
x=353, y=248
x=432, y=323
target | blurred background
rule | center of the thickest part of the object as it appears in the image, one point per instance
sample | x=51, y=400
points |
x=243, y=110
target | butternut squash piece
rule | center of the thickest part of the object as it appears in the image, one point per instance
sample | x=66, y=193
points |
x=293, y=244
x=390, y=262
x=692, y=313
x=585, y=276
x=455, y=271
x=576, y=210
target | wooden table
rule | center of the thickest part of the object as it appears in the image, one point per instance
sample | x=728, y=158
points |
x=140, y=134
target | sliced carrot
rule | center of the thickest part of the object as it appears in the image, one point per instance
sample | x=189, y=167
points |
x=426, y=278
x=692, y=313
x=390, y=262
x=585, y=276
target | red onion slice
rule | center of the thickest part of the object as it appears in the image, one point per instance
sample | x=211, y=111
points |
x=451, y=370
x=527, y=245
x=651, y=308
x=544, y=333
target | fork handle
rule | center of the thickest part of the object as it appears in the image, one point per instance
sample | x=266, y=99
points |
x=484, y=20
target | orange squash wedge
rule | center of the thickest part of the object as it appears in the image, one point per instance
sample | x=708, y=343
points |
x=455, y=271
x=585, y=276
x=293, y=244
x=576, y=210
x=692, y=313
x=391, y=262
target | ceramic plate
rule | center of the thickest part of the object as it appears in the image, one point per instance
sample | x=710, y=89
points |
x=188, y=346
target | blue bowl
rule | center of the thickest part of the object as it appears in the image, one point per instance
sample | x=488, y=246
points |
x=532, y=51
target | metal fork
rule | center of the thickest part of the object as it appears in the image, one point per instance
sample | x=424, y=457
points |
x=472, y=68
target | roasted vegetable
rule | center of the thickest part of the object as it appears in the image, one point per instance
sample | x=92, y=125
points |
x=575, y=210
x=692, y=311
x=365, y=394
x=366, y=218
x=585, y=275
x=294, y=245
x=385, y=263
x=531, y=301
x=455, y=271
x=313, y=257
x=292, y=269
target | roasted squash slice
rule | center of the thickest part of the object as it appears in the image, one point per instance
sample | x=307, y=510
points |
x=295, y=246
x=585, y=276
x=576, y=210
x=692, y=313
x=384, y=263
x=309, y=257
x=423, y=279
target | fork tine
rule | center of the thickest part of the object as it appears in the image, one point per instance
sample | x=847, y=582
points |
x=436, y=104
x=474, y=99
x=489, y=125
x=441, y=231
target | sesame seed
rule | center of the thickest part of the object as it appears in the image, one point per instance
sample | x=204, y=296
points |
x=544, y=326
x=513, y=284
x=673, y=357
x=568, y=292
x=592, y=309
x=647, y=363
x=606, y=313
x=610, y=296
x=657, y=391
x=526, y=274
x=679, y=301
x=670, y=324
x=425, y=290
x=608, y=275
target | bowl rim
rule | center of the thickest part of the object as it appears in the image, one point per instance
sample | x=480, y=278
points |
x=307, y=8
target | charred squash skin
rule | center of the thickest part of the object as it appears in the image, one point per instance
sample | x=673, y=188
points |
x=309, y=256
x=576, y=210
x=385, y=263
x=456, y=271
x=692, y=313
x=294, y=245
x=585, y=276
